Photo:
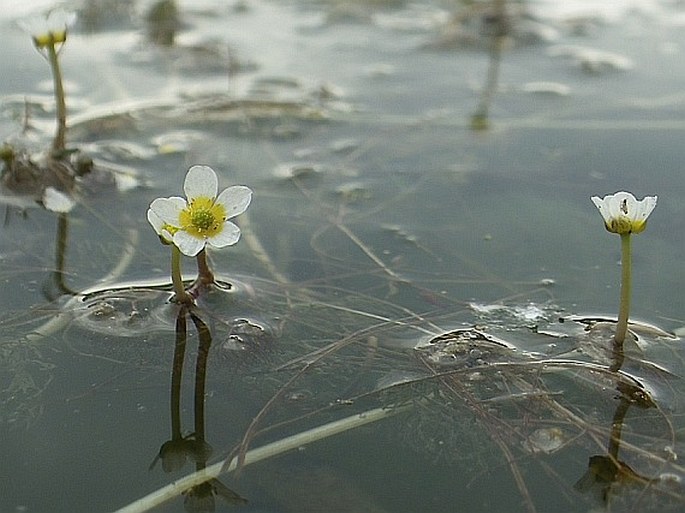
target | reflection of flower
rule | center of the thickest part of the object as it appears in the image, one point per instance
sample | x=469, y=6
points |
x=623, y=213
x=51, y=29
x=201, y=498
x=204, y=217
x=175, y=452
x=57, y=201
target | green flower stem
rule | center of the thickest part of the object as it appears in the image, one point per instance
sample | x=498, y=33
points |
x=624, y=307
x=58, y=141
x=180, y=294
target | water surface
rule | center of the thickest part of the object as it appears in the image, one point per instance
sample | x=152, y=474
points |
x=433, y=259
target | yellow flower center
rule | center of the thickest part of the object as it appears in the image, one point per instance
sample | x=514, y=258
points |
x=203, y=218
x=50, y=38
x=620, y=225
x=624, y=225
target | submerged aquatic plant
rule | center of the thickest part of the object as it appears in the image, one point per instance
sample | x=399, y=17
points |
x=624, y=215
x=49, y=33
x=202, y=218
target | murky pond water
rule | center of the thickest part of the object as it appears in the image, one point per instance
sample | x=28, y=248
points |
x=419, y=314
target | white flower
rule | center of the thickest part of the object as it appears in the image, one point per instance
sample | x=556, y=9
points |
x=51, y=29
x=624, y=214
x=204, y=217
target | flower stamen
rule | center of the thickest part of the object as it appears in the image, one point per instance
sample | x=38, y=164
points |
x=203, y=218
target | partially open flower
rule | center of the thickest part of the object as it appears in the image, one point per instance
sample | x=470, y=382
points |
x=51, y=29
x=623, y=214
x=204, y=217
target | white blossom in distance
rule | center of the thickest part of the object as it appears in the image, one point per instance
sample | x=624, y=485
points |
x=203, y=216
x=623, y=214
x=51, y=29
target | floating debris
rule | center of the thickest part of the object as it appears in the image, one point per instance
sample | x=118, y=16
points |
x=547, y=282
x=353, y=191
x=292, y=170
x=638, y=327
x=467, y=347
x=177, y=141
x=592, y=60
x=547, y=88
x=125, y=312
x=344, y=145
x=545, y=441
x=527, y=313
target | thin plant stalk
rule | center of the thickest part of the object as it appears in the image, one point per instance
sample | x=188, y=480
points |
x=624, y=306
x=58, y=143
x=178, y=486
x=204, y=272
x=180, y=294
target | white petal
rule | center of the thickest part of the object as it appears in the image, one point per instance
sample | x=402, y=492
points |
x=168, y=209
x=201, y=181
x=229, y=235
x=158, y=225
x=155, y=221
x=34, y=26
x=57, y=201
x=613, y=204
x=59, y=19
x=601, y=204
x=646, y=206
x=189, y=245
x=235, y=199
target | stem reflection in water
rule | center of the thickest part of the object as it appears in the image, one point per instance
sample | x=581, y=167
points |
x=606, y=472
x=175, y=452
x=500, y=27
x=56, y=285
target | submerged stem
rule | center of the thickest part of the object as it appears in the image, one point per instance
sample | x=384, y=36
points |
x=624, y=306
x=60, y=136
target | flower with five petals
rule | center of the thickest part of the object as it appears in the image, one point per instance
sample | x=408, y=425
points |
x=203, y=218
